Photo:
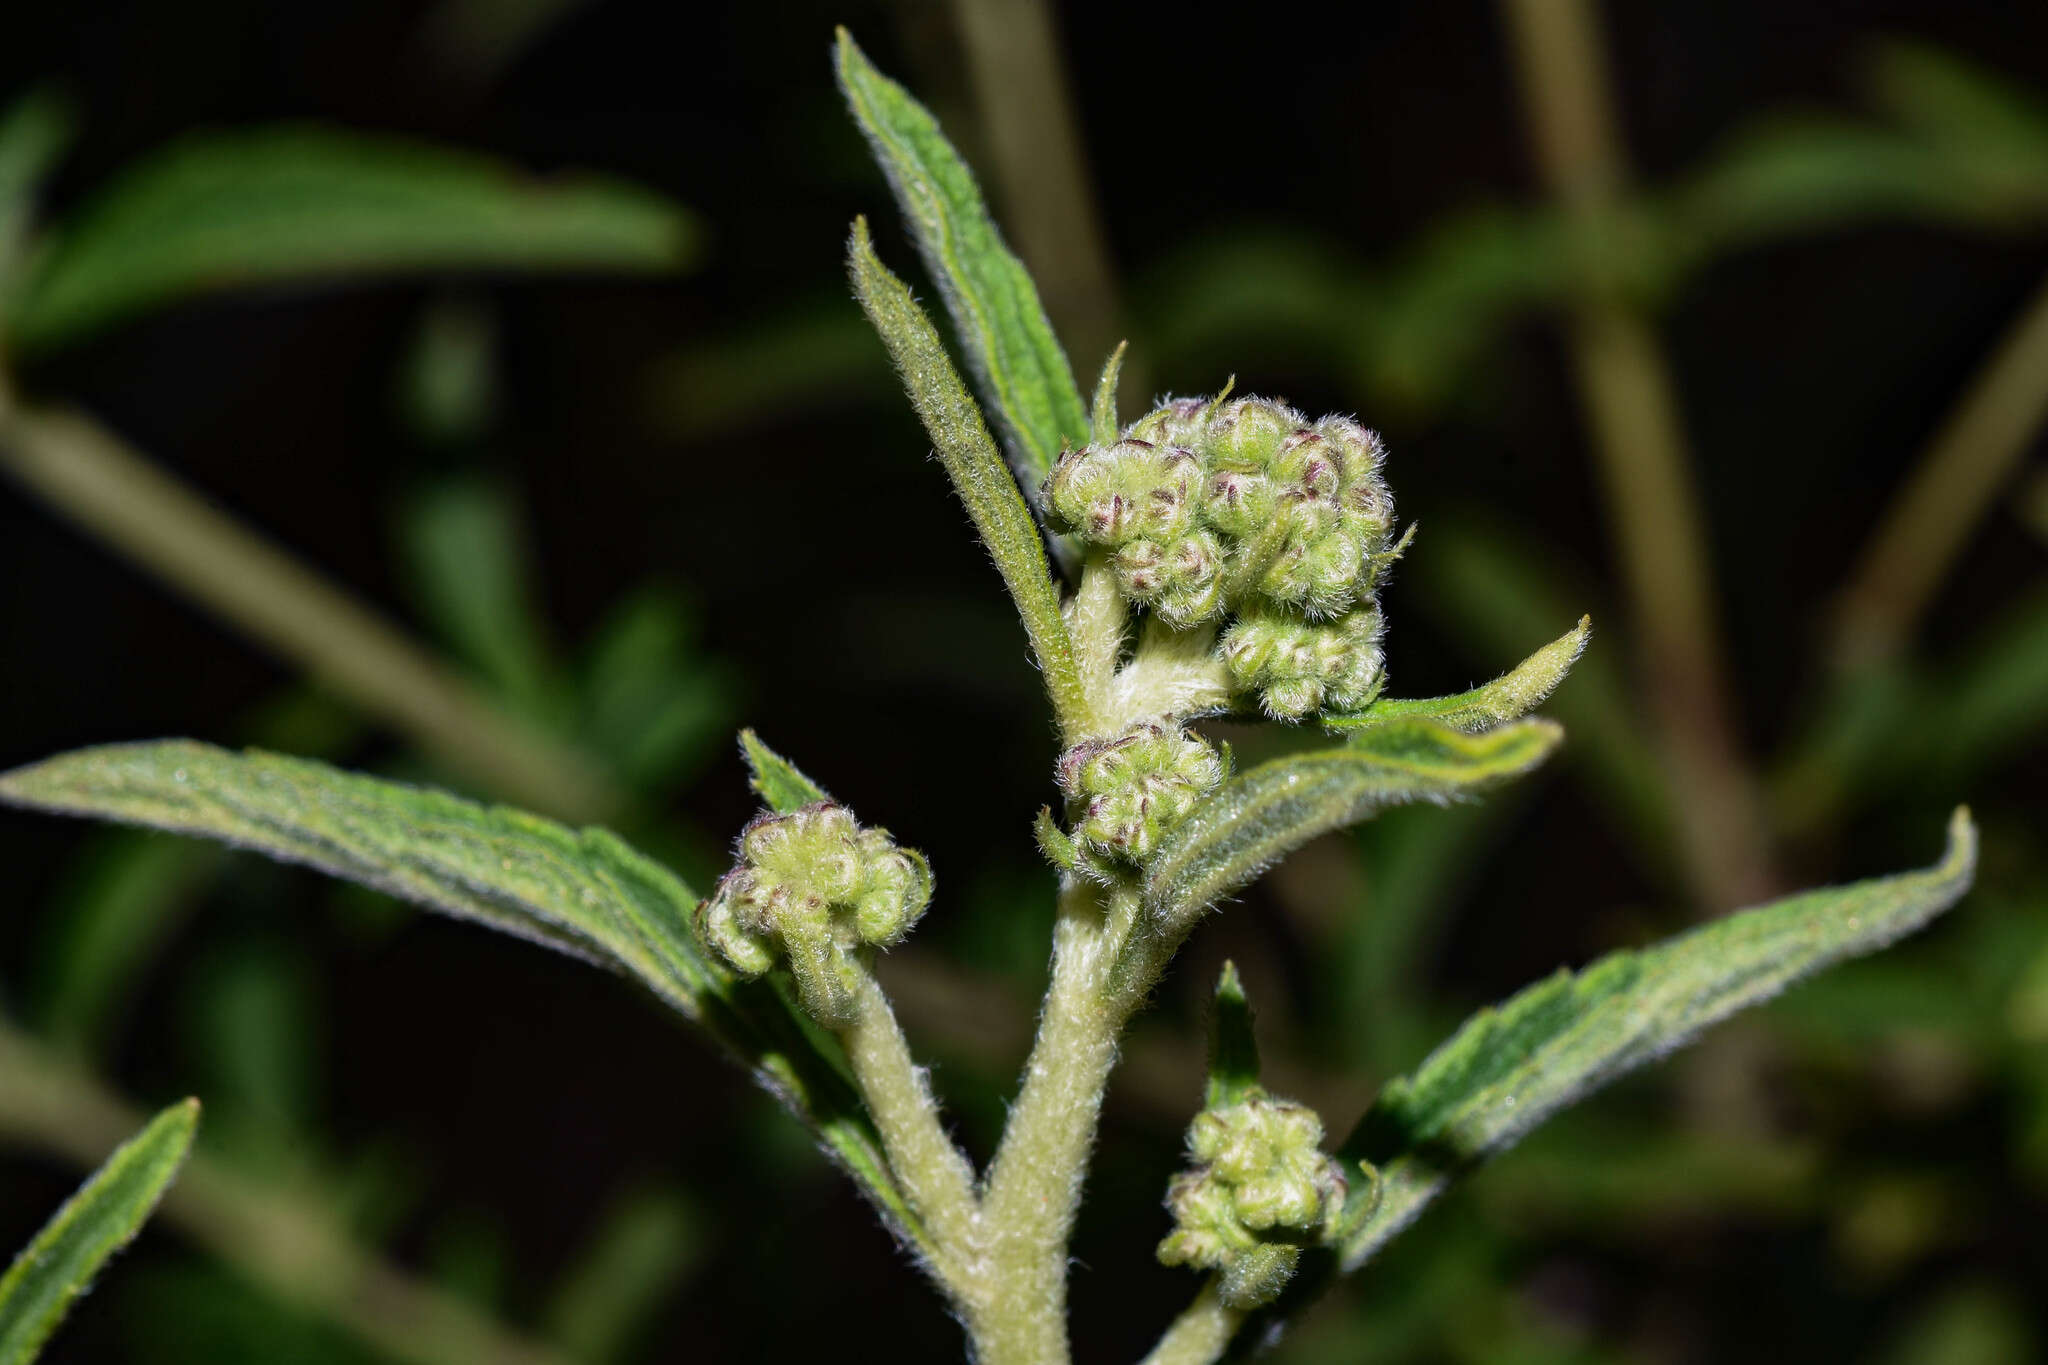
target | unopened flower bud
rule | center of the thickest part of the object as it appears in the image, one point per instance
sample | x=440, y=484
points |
x=1176, y=422
x=1181, y=580
x=1260, y=1190
x=1133, y=789
x=1112, y=495
x=1297, y=667
x=1246, y=433
x=812, y=888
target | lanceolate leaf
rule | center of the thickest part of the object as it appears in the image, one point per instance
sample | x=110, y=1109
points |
x=979, y=476
x=1265, y=812
x=1511, y=1067
x=231, y=210
x=94, y=1223
x=585, y=893
x=1010, y=346
x=1508, y=697
x=776, y=779
x=1233, y=1049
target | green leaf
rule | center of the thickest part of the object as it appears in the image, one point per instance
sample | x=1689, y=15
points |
x=1266, y=812
x=1508, y=697
x=1511, y=1067
x=1102, y=418
x=94, y=1223
x=232, y=210
x=776, y=779
x=1233, y=1049
x=1956, y=102
x=584, y=893
x=465, y=546
x=979, y=476
x=1010, y=345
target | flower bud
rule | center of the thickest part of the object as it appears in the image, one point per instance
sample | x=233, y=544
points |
x=1246, y=433
x=1112, y=495
x=1261, y=1189
x=1181, y=580
x=813, y=887
x=1176, y=422
x=1133, y=789
x=1297, y=667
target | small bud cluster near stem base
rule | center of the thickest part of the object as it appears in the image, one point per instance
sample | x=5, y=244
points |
x=1261, y=1189
x=1131, y=790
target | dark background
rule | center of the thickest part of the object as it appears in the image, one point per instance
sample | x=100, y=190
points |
x=837, y=585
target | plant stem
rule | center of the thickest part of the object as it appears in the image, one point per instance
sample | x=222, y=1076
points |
x=1979, y=446
x=1034, y=1184
x=293, y=1249
x=1626, y=386
x=107, y=489
x=1200, y=1334
x=934, y=1173
x=1096, y=616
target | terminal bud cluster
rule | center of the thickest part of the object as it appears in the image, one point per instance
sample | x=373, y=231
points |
x=1245, y=516
x=813, y=888
x=1261, y=1189
x=1128, y=792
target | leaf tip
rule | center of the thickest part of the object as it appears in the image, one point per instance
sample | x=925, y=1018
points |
x=1960, y=858
x=1229, y=985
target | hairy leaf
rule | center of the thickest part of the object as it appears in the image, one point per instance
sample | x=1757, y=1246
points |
x=977, y=471
x=1233, y=1048
x=104, y=1216
x=230, y=210
x=1265, y=812
x=1102, y=416
x=776, y=779
x=1511, y=1067
x=585, y=893
x=1509, y=697
x=1002, y=326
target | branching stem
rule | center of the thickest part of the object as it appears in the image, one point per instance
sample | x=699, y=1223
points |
x=1200, y=1334
x=934, y=1172
x=1034, y=1184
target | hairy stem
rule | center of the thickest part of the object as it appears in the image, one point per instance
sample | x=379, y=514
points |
x=934, y=1173
x=90, y=476
x=1630, y=401
x=1096, y=616
x=1200, y=1334
x=1978, y=447
x=1175, y=672
x=275, y=1239
x=1034, y=1184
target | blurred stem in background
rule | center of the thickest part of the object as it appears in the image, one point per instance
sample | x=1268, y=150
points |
x=1632, y=407
x=89, y=476
x=1026, y=107
x=276, y=1239
x=1975, y=453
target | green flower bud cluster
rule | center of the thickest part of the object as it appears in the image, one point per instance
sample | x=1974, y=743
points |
x=1261, y=1189
x=814, y=887
x=1247, y=515
x=1131, y=790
